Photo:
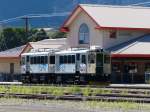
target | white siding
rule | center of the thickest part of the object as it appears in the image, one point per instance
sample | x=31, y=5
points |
x=95, y=35
x=98, y=37
x=122, y=36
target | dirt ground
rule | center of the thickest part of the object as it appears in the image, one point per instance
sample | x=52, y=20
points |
x=20, y=105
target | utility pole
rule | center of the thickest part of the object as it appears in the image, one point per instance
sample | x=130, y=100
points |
x=26, y=25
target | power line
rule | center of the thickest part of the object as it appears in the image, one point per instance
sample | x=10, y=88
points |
x=140, y=3
x=34, y=16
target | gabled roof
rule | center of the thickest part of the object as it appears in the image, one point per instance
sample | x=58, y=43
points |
x=138, y=47
x=110, y=17
x=14, y=52
x=49, y=43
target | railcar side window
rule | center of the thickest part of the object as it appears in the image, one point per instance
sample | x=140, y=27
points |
x=84, y=59
x=38, y=60
x=78, y=57
x=107, y=58
x=34, y=60
x=73, y=58
x=65, y=59
x=23, y=61
x=31, y=60
x=52, y=59
x=69, y=59
x=27, y=58
x=61, y=59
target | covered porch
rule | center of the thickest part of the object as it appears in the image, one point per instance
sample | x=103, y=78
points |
x=131, y=61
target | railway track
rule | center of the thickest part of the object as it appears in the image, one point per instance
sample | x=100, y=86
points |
x=102, y=97
x=140, y=94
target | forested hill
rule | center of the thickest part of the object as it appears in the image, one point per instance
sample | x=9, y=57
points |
x=14, y=8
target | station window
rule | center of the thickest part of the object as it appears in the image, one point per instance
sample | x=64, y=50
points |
x=113, y=34
x=83, y=34
x=52, y=59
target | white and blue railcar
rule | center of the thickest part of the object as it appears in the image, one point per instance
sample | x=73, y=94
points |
x=71, y=65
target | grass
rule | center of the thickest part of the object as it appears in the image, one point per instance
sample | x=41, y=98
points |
x=58, y=91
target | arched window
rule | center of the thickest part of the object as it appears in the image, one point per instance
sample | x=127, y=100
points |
x=83, y=34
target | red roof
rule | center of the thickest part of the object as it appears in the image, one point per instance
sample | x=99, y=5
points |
x=14, y=52
x=113, y=17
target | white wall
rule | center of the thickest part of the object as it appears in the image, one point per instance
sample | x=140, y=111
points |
x=95, y=35
x=98, y=37
x=122, y=36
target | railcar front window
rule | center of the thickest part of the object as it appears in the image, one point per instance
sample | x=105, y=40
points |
x=91, y=58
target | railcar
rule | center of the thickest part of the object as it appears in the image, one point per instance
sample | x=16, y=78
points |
x=36, y=66
x=76, y=65
x=82, y=65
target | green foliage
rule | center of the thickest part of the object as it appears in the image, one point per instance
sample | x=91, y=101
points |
x=15, y=37
x=57, y=34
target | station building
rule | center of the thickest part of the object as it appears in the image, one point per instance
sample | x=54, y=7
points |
x=121, y=30
x=10, y=60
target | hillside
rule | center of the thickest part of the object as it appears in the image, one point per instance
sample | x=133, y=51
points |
x=14, y=8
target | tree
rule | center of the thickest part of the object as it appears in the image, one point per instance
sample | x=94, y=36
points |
x=14, y=37
x=57, y=34
x=39, y=35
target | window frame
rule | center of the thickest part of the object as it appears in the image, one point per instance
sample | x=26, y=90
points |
x=84, y=36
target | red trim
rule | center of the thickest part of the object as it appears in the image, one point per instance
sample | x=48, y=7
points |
x=121, y=28
x=64, y=29
x=9, y=57
x=79, y=6
x=63, y=26
x=27, y=45
x=98, y=26
x=130, y=56
x=89, y=15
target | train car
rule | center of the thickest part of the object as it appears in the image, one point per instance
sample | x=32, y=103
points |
x=82, y=65
x=76, y=65
x=35, y=66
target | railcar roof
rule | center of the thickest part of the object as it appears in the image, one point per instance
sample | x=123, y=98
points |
x=72, y=51
x=35, y=53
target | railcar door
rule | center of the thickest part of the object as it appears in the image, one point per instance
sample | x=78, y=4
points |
x=99, y=63
x=78, y=63
x=91, y=68
x=107, y=64
x=27, y=64
x=83, y=63
x=52, y=64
